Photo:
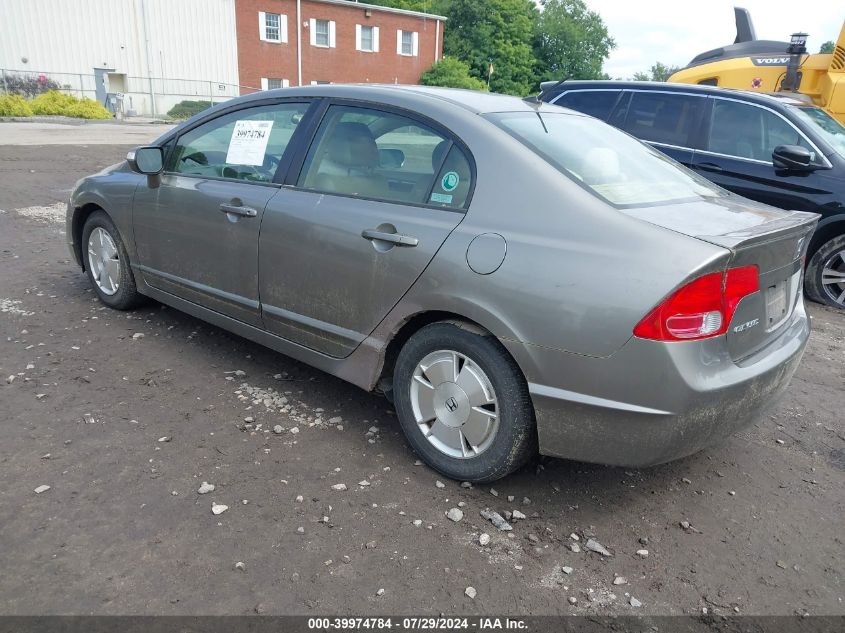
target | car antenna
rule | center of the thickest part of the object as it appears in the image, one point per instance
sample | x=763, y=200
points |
x=539, y=97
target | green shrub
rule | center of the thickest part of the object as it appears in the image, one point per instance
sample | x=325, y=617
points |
x=14, y=105
x=451, y=73
x=187, y=109
x=57, y=103
x=52, y=102
x=87, y=109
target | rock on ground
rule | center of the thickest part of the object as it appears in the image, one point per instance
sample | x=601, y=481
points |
x=496, y=519
x=594, y=546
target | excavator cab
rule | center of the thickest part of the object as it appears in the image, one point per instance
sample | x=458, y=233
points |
x=772, y=66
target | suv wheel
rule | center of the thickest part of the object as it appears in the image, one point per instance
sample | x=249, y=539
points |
x=825, y=277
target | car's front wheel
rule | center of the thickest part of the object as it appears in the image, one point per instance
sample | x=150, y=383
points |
x=107, y=263
x=463, y=403
x=825, y=276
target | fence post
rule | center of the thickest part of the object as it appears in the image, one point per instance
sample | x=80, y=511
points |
x=5, y=87
x=152, y=97
x=211, y=93
x=81, y=87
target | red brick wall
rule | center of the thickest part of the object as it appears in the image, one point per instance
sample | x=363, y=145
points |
x=342, y=64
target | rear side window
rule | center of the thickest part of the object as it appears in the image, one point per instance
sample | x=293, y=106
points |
x=597, y=103
x=454, y=180
x=386, y=156
x=664, y=118
x=747, y=131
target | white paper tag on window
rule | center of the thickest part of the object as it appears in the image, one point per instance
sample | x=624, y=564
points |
x=249, y=142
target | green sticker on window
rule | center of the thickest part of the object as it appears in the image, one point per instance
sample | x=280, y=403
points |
x=450, y=181
x=441, y=197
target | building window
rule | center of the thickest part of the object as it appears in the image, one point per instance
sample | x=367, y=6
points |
x=272, y=27
x=274, y=84
x=366, y=38
x=272, y=22
x=321, y=33
x=407, y=43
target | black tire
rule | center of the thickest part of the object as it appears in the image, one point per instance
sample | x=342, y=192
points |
x=515, y=440
x=127, y=296
x=816, y=290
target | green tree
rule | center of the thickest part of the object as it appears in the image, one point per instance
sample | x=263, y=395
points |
x=658, y=72
x=425, y=6
x=451, y=73
x=570, y=41
x=827, y=47
x=497, y=32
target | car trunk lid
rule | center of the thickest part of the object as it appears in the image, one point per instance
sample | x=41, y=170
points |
x=773, y=240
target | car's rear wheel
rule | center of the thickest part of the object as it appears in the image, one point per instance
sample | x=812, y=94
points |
x=463, y=403
x=107, y=263
x=825, y=276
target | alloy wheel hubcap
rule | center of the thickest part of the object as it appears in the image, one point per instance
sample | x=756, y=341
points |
x=104, y=261
x=833, y=277
x=454, y=404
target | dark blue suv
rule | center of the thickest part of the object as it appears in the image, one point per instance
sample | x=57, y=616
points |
x=774, y=148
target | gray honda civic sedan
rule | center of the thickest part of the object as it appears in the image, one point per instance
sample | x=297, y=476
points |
x=513, y=275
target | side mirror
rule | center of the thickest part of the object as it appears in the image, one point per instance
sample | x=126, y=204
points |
x=793, y=158
x=146, y=160
x=391, y=158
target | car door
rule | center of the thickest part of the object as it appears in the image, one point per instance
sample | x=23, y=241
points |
x=736, y=153
x=353, y=230
x=196, y=233
x=669, y=121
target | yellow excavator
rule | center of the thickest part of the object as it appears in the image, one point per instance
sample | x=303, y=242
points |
x=770, y=66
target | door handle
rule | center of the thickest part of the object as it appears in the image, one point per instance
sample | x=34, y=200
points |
x=247, y=212
x=709, y=167
x=393, y=238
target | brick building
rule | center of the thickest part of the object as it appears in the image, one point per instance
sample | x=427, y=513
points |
x=299, y=42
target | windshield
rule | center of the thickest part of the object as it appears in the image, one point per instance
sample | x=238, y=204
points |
x=616, y=167
x=825, y=126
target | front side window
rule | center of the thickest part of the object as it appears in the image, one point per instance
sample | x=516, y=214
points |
x=597, y=103
x=321, y=33
x=612, y=165
x=382, y=155
x=825, y=126
x=665, y=118
x=243, y=145
x=747, y=131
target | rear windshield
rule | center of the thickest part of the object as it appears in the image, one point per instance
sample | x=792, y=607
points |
x=614, y=166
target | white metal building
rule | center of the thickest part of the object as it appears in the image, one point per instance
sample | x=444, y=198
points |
x=90, y=47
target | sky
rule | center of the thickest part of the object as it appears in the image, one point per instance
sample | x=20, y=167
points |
x=647, y=31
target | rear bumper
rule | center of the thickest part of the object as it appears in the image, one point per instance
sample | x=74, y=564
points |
x=653, y=402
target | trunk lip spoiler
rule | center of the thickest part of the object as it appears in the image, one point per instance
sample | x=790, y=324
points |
x=795, y=223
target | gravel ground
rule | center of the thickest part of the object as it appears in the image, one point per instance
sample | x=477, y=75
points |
x=125, y=429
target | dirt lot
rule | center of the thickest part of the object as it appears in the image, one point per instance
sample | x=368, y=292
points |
x=125, y=429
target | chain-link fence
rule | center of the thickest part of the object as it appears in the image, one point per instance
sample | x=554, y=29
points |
x=128, y=96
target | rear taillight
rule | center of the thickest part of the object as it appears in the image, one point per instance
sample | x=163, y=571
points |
x=702, y=308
